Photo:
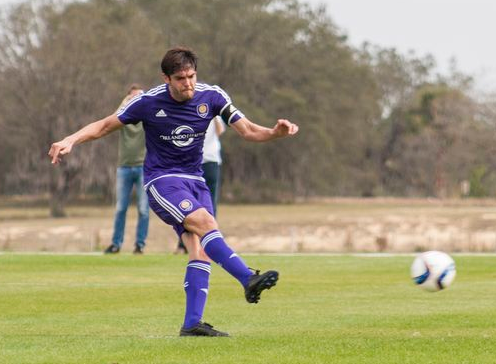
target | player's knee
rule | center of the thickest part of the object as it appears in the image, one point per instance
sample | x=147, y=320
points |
x=200, y=222
x=207, y=221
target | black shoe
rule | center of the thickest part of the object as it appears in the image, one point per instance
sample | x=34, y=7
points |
x=181, y=248
x=138, y=250
x=112, y=249
x=258, y=282
x=202, y=329
x=180, y=251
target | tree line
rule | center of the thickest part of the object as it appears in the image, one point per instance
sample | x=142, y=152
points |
x=373, y=121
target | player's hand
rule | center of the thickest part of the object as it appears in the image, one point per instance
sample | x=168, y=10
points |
x=285, y=128
x=59, y=149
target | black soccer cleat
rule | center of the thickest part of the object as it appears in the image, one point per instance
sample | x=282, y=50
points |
x=258, y=282
x=112, y=249
x=138, y=250
x=202, y=329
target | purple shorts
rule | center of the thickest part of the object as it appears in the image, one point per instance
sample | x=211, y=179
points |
x=174, y=198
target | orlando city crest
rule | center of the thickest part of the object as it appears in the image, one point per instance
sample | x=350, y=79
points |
x=186, y=205
x=202, y=110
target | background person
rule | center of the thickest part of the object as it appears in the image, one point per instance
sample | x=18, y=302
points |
x=130, y=174
x=211, y=166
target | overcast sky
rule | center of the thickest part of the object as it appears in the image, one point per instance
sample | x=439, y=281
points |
x=463, y=29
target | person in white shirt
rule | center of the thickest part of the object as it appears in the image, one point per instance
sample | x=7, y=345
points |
x=212, y=159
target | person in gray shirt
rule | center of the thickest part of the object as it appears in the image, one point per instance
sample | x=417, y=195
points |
x=130, y=174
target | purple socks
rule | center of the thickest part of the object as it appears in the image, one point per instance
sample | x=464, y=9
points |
x=216, y=248
x=196, y=287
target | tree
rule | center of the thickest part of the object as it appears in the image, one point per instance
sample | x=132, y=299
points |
x=372, y=121
x=283, y=59
x=66, y=77
x=437, y=146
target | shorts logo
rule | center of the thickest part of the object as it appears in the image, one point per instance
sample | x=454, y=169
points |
x=186, y=205
x=202, y=110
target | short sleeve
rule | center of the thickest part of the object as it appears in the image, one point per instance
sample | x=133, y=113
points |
x=224, y=107
x=133, y=112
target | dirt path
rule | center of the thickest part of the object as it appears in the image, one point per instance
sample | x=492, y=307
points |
x=336, y=225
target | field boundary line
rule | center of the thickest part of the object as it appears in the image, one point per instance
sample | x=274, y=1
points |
x=365, y=255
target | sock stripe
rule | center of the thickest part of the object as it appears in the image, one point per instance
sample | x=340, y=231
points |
x=209, y=237
x=201, y=266
x=190, y=264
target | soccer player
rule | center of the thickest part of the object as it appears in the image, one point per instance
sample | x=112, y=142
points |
x=175, y=116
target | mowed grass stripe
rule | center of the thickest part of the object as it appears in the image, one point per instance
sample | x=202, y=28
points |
x=325, y=309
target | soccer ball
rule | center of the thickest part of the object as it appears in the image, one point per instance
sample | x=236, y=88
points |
x=433, y=271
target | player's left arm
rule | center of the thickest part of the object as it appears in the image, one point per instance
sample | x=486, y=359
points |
x=257, y=133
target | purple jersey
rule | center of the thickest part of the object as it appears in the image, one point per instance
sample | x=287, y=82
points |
x=175, y=131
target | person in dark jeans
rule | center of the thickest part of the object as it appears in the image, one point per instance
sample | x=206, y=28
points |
x=211, y=165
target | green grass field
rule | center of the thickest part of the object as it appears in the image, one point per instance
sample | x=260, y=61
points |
x=325, y=309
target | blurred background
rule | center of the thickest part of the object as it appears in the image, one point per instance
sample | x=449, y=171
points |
x=408, y=113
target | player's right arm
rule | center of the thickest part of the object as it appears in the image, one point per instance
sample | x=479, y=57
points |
x=257, y=133
x=245, y=128
x=95, y=130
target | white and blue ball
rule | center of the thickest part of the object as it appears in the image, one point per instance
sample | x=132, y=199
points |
x=433, y=271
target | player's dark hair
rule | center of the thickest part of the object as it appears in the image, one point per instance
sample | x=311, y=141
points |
x=177, y=59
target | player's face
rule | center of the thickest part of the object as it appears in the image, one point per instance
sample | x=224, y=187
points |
x=182, y=84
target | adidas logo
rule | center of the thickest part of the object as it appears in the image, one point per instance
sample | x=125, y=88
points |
x=161, y=114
